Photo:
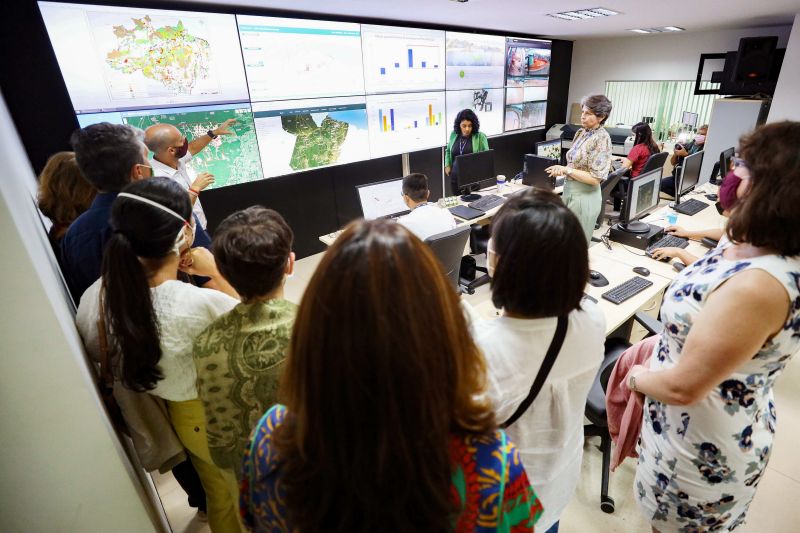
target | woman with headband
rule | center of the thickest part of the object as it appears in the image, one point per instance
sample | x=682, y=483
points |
x=151, y=318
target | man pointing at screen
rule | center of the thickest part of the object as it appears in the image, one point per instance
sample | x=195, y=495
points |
x=171, y=153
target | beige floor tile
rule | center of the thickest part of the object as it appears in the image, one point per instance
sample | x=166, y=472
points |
x=182, y=518
x=775, y=508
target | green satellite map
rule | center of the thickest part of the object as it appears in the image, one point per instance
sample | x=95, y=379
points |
x=231, y=158
x=315, y=145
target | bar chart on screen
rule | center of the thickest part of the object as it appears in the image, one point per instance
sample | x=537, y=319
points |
x=402, y=59
x=401, y=123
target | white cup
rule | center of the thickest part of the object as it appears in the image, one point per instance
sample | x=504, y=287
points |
x=501, y=182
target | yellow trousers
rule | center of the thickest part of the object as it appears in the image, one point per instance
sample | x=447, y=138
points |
x=188, y=419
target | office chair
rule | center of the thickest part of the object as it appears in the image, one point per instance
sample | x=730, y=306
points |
x=608, y=185
x=596, y=401
x=448, y=247
x=478, y=244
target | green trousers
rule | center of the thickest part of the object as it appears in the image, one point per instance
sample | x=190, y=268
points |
x=584, y=201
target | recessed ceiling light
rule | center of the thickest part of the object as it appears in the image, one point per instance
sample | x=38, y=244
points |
x=660, y=29
x=583, y=14
x=638, y=30
x=674, y=28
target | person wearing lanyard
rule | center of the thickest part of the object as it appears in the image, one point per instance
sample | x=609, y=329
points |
x=588, y=163
x=466, y=138
x=425, y=219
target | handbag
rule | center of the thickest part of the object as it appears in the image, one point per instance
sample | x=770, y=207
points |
x=544, y=370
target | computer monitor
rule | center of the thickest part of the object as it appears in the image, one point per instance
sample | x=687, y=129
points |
x=471, y=170
x=383, y=199
x=533, y=173
x=550, y=149
x=689, y=118
x=640, y=200
x=722, y=168
x=690, y=175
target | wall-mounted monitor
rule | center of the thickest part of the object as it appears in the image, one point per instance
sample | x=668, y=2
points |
x=475, y=61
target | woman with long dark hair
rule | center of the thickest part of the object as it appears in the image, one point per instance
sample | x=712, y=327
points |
x=385, y=426
x=643, y=147
x=151, y=319
x=466, y=138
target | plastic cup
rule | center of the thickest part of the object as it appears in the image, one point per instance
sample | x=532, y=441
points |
x=501, y=183
x=672, y=218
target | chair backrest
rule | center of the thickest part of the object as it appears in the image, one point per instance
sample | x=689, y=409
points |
x=655, y=161
x=448, y=247
x=606, y=187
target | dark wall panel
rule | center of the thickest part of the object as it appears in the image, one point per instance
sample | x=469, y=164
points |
x=430, y=163
x=510, y=150
x=305, y=200
x=558, y=90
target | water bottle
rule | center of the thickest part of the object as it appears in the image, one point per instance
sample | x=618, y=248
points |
x=501, y=183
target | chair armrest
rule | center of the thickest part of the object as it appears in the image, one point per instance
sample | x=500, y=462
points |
x=649, y=323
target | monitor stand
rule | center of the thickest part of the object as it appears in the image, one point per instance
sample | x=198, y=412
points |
x=468, y=196
x=635, y=227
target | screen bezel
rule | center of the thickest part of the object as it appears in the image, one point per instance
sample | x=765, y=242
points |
x=681, y=190
x=473, y=156
x=361, y=203
x=627, y=217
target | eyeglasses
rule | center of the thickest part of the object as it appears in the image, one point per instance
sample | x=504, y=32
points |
x=739, y=162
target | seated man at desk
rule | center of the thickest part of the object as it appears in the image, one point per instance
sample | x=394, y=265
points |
x=679, y=154
x=425, y=219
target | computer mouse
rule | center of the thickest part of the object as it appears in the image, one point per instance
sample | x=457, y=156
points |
x=594, y=274
x=712, y=197
x=642, y=271
x=678, y=266
x=596, y=279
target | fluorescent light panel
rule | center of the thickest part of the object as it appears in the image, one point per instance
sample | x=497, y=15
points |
x=660, y=29
x=583, y=14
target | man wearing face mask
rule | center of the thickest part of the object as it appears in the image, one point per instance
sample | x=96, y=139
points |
x=172, y=152
x=679, y=154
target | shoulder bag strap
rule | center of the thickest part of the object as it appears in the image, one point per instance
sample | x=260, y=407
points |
x=544, y=370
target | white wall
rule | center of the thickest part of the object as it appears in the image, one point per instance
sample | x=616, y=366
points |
x=785, y=104
x=652, y=57
x=61, y=465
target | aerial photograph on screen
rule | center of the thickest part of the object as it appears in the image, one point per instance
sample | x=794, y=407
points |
x=474, y=61
x=298, y=135
x=230, y=158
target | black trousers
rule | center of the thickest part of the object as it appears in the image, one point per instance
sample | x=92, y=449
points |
x=186, y=476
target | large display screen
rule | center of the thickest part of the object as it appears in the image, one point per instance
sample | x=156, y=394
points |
x=305, y=93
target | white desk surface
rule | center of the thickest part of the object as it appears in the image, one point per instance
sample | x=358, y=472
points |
x=615, y=264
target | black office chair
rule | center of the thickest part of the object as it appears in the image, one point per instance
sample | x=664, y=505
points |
x=596, y=402
x=478, y=244
x=448, y=247
x=653, y=162
x=608, y=185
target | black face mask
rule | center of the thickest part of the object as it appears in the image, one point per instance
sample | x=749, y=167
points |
x=180, y=152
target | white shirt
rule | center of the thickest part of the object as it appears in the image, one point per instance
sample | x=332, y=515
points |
x=184, y=175
x=549, y=435
x=183, y=311
x=428, y=219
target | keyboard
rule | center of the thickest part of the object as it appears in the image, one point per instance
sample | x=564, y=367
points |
x=690, y=207
x=486, y=203
x=626, y=290
x=667, y=241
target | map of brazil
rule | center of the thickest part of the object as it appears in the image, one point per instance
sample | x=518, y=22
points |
x=146, y=57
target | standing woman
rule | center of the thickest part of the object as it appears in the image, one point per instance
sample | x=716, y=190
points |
x=588, y=163
x=709, y=411
x=151, y=319
x=466, y=138
x=386, y=425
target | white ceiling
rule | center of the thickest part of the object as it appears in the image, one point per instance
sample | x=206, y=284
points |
x=528, y=16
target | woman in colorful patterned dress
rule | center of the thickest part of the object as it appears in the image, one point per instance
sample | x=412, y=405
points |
x=709, y=414
x=588, y=163
x=386, y=425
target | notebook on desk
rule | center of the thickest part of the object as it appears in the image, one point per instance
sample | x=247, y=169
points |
x=465, y=212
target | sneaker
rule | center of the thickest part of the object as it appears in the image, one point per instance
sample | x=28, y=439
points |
x=201, y=516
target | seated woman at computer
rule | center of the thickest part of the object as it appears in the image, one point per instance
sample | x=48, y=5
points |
x=466, y=138
x=588, y=163
x=737, y=182
x=550, y=432
x=680, y=152
x=643, y=147
x=709, y=423
x=425, y=219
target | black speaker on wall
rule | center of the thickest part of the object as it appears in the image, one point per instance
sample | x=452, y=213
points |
x=754, y=59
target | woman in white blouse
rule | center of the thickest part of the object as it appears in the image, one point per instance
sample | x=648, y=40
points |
x=539, y=265
x=152, y=318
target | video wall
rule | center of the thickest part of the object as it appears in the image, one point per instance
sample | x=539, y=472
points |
x=304, y=93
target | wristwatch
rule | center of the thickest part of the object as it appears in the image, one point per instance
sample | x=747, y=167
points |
x=211, y=134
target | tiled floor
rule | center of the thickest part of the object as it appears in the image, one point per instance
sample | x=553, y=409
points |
x=774, y=510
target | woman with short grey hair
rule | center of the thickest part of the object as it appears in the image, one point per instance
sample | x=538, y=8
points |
x=588, y=163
